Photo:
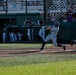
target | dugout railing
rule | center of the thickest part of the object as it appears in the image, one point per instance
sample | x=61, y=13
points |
x=34, y=34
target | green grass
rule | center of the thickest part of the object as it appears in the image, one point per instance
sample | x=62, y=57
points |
x=39, y=64
x=56, y=68
x=19, y=46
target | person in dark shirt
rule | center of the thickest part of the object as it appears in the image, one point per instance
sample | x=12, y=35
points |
x=69, y=17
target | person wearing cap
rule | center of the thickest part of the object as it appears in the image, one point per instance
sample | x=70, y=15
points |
x=42, y=30
x=52, y=36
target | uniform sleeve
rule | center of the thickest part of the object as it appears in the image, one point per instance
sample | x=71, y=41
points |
x=54, y=29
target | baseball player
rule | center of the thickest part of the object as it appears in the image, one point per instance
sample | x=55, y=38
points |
x=42, y=30
x=53, y=36
x=11, y=34
x=29, y=23
x=4, y=34
x=18, y=35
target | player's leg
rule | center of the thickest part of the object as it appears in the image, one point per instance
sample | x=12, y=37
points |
x=28, y=33
x=44, y=42
x=40, y=33
x=64, y=47
x=4, y=37
x=13, y=36
x=10, y=36
x=19, y=35
x=43, y=33
x=54, y=40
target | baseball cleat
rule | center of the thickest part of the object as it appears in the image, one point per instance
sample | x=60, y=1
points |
x=41, y=49
x=64, y=47
x=72, y=42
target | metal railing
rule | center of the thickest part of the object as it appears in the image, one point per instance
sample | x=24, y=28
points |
x=21, y=6
x=34, y=33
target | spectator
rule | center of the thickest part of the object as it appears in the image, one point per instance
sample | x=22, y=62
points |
x=53, y=18
x=69, y=11
x=64, y=19
x=69, y=17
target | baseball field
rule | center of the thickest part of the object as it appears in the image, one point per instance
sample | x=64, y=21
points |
x=26, y=59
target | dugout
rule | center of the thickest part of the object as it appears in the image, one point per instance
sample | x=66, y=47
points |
x=66, y=34
x=18, y=18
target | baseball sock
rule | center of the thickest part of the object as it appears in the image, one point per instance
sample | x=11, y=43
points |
x=43, y=44
x=64, y=47
x=60, y=45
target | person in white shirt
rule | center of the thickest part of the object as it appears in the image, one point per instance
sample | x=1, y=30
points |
x=53, y=36
x=4, y=34
x=42, y=30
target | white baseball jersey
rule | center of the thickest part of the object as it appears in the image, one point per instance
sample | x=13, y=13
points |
x=42, y=32
x=53, y=35
x=54, y=30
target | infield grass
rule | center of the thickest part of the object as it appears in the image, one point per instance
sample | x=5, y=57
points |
x=38, y=64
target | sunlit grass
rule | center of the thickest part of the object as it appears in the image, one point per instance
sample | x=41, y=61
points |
x=64, y=66
x=35, y=59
